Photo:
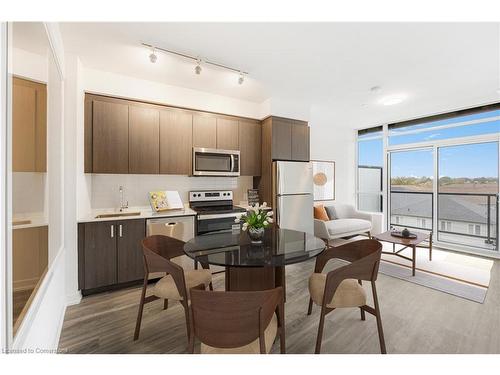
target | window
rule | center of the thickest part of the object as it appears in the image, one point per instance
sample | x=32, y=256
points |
x=446, y=225
x=477, y=230
x=370, y=163
x=479, y=121
x=471, y=228
x=397, y=219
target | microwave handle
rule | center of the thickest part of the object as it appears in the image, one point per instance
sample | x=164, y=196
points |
x=232, y=163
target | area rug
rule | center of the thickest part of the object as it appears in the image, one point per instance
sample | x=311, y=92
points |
x=462, y=275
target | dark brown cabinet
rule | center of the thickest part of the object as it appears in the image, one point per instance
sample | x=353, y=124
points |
x=250, y=137
x=204, y=131
x=99, y=254
x=109, y=253
x=281, y=148
x=300, y=141
x=126, y=136
x=129, y=252
x=109, y=137
x=227, y=134
x=144, y=140
x=176, y=139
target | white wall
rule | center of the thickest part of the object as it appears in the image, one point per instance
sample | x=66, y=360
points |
x=331, y=140
x=100, y=82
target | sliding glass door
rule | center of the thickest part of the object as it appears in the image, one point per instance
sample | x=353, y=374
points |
x=411, y=185
x=467, y=209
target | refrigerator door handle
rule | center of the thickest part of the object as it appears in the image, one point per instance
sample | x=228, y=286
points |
x=277, y=213
x=278, y=179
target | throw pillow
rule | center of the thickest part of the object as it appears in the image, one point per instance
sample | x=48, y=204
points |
x=320, y=213
x=332, y=214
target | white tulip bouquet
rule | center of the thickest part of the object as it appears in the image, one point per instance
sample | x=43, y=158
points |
x=256, y=217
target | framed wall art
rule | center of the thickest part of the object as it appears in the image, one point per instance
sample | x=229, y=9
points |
x=323, y=180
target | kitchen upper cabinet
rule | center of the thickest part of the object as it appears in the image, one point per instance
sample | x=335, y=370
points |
x=204, y=131
x=300, y=141
x=281, y=148
x=144, y=140
x=99, y=254
x=227, y=134
x=250, y=138
x=29, y=126
x=176, y=140
x=110, y=137
x=125, y=136
x=110, y=253
x=130, y=263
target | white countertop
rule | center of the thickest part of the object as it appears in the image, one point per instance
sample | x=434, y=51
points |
x=36, y=219
x=145, y=213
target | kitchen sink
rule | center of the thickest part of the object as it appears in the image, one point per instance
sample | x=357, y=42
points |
x=117, y=214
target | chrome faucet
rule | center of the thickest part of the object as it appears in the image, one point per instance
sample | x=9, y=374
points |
x=123, y=205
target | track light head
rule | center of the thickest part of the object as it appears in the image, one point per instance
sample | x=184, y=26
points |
x=197, y=69
x=152, y=56
x=241, y=79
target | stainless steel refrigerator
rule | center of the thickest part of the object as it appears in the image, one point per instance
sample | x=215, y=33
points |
x=293, y=195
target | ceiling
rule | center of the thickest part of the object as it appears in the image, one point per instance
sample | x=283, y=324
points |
x=322, y=64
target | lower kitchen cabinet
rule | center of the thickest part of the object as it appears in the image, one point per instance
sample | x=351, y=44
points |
x=129, y=250
x=109, y=253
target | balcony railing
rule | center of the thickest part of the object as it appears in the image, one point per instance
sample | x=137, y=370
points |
x=474, y=216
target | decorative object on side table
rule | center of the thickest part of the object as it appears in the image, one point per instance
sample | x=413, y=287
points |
x=405, y=233
x=323, y=180
x=256, y=220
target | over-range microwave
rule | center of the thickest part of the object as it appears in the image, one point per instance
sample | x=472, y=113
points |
x=215, y=162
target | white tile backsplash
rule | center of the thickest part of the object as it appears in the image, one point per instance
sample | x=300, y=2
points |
x=136, y=187
x=28, y=192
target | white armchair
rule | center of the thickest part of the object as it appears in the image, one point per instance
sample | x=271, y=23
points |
x=346, y=221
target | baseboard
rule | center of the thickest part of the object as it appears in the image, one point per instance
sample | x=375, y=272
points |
x=73, y=299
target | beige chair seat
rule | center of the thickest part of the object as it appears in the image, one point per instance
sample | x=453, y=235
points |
x=166, y=288
x=252, y=348
x=348, y=294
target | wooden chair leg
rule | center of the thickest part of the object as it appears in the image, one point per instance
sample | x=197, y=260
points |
x=141, y=309
x=363, y=317
x=186, y=314
x=369, y=235
x=379, y=320
x=309, y=309
x=210, y=286
x=319, y=338
x=165, y=304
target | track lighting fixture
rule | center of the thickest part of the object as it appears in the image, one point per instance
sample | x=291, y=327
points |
x=198, y=66
x=152, y=56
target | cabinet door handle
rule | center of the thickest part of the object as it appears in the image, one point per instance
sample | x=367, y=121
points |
x=120, y=230
x=112, y=230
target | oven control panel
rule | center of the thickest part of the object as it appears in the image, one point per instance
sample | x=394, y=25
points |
x=212, y=195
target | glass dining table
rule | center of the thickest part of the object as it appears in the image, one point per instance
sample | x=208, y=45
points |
x=251, y=266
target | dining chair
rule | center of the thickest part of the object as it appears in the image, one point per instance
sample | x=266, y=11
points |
x=158, y=252
x=342, y=287
x=237, y=322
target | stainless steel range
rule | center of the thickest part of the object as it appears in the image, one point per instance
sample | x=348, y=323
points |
x=215, y=211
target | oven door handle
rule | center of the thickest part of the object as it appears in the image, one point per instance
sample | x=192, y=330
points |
x=220, y=216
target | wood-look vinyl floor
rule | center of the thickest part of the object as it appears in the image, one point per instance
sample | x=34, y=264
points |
x=416, y=319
